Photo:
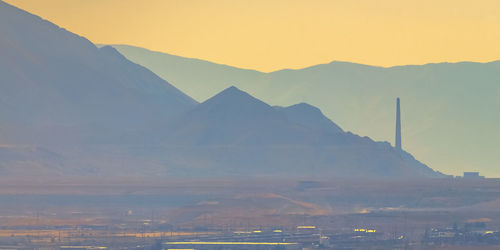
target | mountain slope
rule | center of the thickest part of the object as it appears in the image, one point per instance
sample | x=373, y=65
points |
x=198, y=78
x=231, y=117
x=53, y=81
x=233, y=133
x=310, y=117
x=448, y=109
x=69, y=108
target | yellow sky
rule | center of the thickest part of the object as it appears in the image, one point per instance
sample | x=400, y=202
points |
x=273, y=34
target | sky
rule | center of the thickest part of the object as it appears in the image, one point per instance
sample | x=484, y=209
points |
x=271, y=35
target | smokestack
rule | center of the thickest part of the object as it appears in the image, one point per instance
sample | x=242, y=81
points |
x=398, y=126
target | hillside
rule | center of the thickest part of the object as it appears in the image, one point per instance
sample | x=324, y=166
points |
x=441, y=103
x=71, y=109
x=235, y=134
x=66, y=105
x=59, y=87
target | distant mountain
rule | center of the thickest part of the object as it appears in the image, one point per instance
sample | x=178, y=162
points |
x=448, y=109
x=56, y=86
x=198, y=78
x=235, y=134
x=310, y=117
x=233, y=117
x=68, y=108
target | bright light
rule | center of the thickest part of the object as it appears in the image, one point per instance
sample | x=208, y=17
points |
x=365, y=230
x=226, y=243
x=88, y=247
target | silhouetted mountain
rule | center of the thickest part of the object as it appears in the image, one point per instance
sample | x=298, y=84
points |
x=234, y=133
x=65, y=105
x=234, y=117
x=441, y=103
x=71, y=109
x=198, y=78
x=310, y=117
x=57, y=86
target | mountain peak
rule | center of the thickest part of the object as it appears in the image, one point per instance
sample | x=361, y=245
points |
x=111, y=51
x=235, y=97
x=232, y=90
x=305, y=106
x=310, y=116
x=53, y=76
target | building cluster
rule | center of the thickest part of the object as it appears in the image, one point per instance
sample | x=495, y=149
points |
x=470, y=234
x=472, y=176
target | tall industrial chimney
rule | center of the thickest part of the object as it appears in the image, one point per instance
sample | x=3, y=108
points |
x=398, y=126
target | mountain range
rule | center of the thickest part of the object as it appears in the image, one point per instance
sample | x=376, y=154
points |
x=69, y=108
x=233, y=133
x=58, y=90
x=448, y=109
x=55, y=80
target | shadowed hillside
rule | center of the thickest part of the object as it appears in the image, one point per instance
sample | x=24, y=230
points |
x=441, y=103
x=57, y=87
x=235, y=134
x=72, y=109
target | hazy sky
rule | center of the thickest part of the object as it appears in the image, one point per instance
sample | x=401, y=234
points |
x=273, y=34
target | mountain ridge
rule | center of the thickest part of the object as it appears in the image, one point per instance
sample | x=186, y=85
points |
x=62, y=98
x=87, y=111
x=118, y=45
x=57, y=78
x=249, y=137
x=435, y=98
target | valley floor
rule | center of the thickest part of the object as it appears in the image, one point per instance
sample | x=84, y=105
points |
x=340, y=214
